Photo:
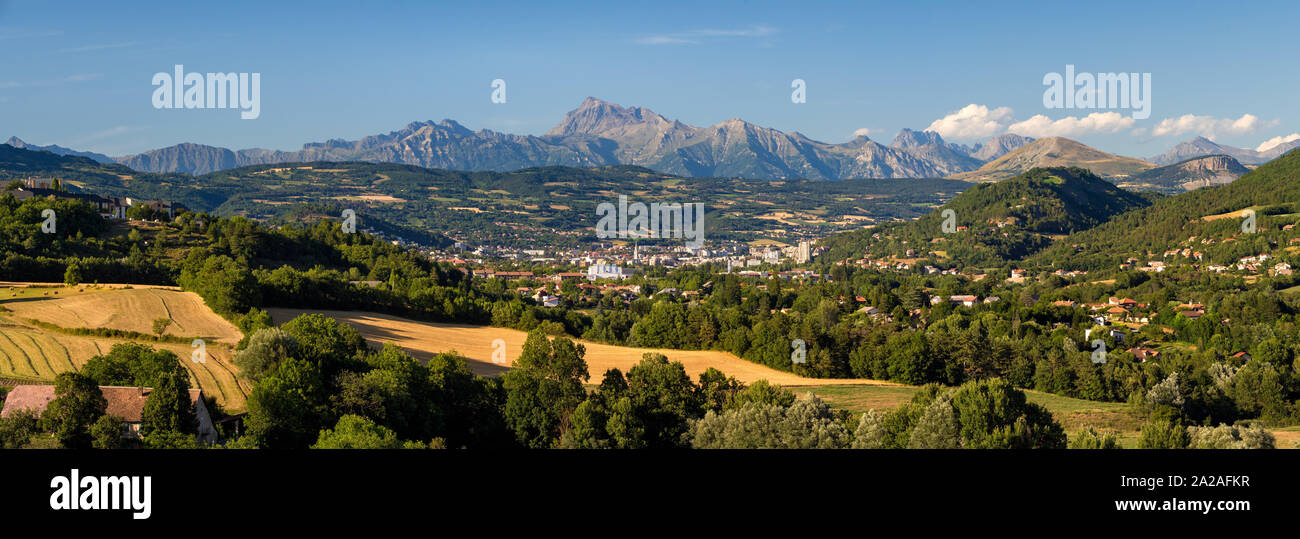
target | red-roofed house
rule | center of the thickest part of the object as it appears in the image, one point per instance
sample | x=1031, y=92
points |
x=124, y=402
x=1143, y=353
x=965, y=300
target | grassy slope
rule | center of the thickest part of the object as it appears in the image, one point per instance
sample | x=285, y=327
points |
x=1055, y=152
x=1073, y=414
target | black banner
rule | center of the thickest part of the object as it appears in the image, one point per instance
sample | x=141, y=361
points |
x=940, y=488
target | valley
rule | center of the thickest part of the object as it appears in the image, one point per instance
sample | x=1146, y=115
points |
x=892, y=285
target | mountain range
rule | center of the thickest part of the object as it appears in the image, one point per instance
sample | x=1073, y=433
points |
x=1201, y=146
x=59, y=150
x=1193, y=173
x=600, y=133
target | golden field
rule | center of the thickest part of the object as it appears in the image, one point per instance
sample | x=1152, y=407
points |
x=424, y=339
x=33, y=352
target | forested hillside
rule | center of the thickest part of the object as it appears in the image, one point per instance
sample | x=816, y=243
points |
x=1272, y=191
x=993, y=223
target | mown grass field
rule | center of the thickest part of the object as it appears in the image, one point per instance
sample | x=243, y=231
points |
x=1073, y=414
x=31, y=352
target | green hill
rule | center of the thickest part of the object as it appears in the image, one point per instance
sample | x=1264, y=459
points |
x=996, y=222
x=1272, y=191
x=83, y=174
x=1187, y=175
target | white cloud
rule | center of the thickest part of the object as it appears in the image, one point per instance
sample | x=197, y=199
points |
x=862, y=132
x=1277, y=140
x=972, y=121
x=979, y=121
x=80, y=77
x=665, y=40
x=1208, y=126
x=107, y=133
x=100, y=46
x=758, y=30
x=692, y=37
x=1040, y=126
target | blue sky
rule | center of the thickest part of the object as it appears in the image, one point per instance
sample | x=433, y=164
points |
x=79, y=74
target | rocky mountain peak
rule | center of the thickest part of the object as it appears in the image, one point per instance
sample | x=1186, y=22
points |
x=1214, y=163
x=908, y=138
x=595, y=116
x=999, y=146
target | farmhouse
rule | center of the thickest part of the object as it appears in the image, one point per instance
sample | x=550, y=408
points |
x=111, y=207
x=108, y=206
x=124, y=402
x=164, y=206
x=964, y=300
x=1143, y=353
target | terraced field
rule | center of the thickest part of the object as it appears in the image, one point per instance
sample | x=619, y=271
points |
x=30, y=352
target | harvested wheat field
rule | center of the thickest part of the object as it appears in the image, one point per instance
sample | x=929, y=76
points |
x=132, y=309
x=423, y=339
x=1287, y=438
x=217, y=375
x=35, y=354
